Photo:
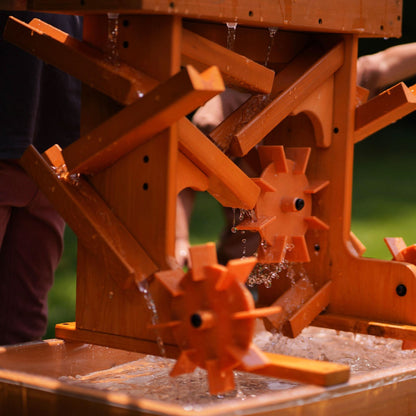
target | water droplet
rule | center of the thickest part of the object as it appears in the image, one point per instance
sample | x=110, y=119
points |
x=231, y=33
x=112, y=39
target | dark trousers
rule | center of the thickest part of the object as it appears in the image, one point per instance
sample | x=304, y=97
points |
x=31, y=244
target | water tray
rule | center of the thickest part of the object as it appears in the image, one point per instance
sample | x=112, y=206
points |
x=55, y=377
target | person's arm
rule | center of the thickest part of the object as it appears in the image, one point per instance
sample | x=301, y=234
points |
x=380, y=70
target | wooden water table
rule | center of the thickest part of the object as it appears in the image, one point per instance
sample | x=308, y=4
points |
x=145, y=66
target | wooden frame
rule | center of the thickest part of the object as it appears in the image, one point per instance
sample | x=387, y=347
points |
x=135, y=160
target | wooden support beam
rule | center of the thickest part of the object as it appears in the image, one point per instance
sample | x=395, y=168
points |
x=359, y=325
x=227, y=183
x=120, y=81
x=92, y=221
x=139, y=122
x=258, y=116
x=302, y=370
x=69, y=332
x=237, y=70
x=384, y=109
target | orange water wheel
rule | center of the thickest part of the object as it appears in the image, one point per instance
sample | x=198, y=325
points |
x=213, y=317
x=283, y=212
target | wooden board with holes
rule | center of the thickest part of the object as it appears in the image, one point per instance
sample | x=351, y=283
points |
x=363, y=17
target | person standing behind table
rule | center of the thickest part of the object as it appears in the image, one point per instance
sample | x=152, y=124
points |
x=39, y=105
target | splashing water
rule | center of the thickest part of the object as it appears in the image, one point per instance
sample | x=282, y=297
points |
x=151, y=306
x=231, y=32
x=112, y=39
x=62, y=173
x=265, y=273
x=149, y=377
x=272, y=35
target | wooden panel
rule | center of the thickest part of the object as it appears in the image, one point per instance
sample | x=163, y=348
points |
x=92, y=221
x=140, y=187
x=254, y=42
x=122, y=82
x=236, y=69
x=139, y=122
x=363, y=17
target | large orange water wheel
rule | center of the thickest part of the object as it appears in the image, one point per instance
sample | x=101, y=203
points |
x=213, y=317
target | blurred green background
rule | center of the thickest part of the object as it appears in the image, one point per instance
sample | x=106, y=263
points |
x=384, y=195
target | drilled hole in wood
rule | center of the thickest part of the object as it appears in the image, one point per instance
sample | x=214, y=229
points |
x=146, y=159
x=145, y=186
x=401, y=290
x=250, y=13
x=320, y=21
x=336, y=130
x=172, y=5
x=125, y=44
x=125, y=22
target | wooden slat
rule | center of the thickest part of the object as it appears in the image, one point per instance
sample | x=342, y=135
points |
x=90, y=65
x=366, y=326
x=236, y=69
x=227, y=183
x=365, y=18
x=308, y=311
x=321, y=373
x=92, y=221
x=69, y=332
x=240, y=133
x=384, y=109
x=142, y=120
x=290, y=302
x=361, y=95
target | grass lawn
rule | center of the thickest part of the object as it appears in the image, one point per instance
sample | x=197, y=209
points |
x=384, y=205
